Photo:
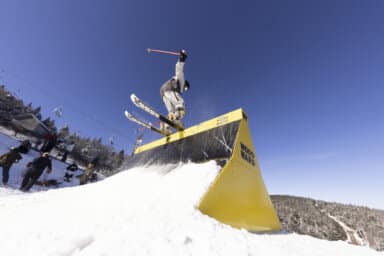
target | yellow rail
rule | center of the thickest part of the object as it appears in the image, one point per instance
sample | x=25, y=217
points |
x=238, y=196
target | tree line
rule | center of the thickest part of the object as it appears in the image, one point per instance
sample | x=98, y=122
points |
x=83, y=151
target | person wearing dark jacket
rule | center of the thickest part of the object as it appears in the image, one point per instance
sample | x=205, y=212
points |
x=11, y=157
x=34, y=171
x=50, y=143
x=7, y=160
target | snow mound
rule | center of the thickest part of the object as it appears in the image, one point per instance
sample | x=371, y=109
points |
x=142, y=211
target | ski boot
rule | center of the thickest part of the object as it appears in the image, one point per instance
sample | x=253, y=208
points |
x=176, y=117
x=165, y=128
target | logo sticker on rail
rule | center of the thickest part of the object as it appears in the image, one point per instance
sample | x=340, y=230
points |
x=247, y=154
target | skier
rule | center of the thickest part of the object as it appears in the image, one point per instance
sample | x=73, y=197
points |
x=170, y=93
x=34, y=171
x=68, y=148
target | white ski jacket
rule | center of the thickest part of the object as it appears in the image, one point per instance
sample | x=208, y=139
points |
x=177, y=82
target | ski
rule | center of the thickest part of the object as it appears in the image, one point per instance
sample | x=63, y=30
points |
x=147, y=108
x=145, y=124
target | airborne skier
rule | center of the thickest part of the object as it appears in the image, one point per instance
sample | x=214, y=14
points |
x=170, y=93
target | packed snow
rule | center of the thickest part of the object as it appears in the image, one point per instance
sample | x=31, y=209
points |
x=141, y=211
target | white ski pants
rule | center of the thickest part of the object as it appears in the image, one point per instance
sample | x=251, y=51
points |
x=174, y=103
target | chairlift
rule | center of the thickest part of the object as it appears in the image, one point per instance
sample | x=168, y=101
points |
x=58, y=111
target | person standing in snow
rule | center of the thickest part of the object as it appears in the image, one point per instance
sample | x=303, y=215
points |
x=7, y=160
x=11, y=157
x=89, y=171
x=34, y=171
x=170, y=93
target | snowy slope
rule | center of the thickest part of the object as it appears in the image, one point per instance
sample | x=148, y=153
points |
x=142, y=211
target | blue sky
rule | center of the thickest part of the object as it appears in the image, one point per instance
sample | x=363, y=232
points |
x=308, y=74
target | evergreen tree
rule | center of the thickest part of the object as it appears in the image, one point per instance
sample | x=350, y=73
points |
x=85, y=149
x=37, y=112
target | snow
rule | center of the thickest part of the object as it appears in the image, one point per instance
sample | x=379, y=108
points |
x=141, y=211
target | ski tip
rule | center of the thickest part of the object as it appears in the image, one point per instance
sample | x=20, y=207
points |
x=126, y=113
x=133, y=96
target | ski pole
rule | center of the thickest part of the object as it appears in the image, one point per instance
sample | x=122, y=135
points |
x=149, y=50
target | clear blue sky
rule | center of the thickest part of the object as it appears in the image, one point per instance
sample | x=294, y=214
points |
x=308, y=73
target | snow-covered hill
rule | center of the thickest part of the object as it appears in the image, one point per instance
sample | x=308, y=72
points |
x=331, y=221
x=142, y=211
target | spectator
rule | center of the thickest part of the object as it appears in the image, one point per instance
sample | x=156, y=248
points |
x=7, y=160
x=11, y=157
x=35, y=169
x=89, y=172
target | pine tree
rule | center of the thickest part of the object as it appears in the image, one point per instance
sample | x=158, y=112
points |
x=37, y=112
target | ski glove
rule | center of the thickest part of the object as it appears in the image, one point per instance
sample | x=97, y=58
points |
x=183, y=55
